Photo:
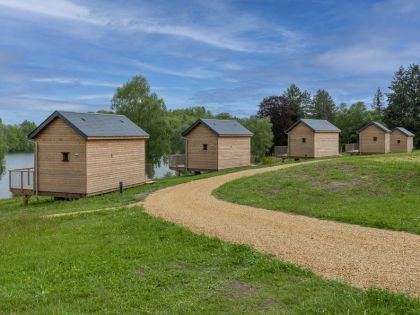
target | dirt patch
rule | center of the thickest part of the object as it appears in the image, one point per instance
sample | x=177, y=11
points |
x=239, y=289
x=141, y=196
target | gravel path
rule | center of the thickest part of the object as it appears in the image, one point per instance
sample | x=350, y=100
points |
x=358, y=255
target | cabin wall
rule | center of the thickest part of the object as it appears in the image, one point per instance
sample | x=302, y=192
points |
x=326, y=144
x=198, y=158
x=55, y=175
x=410, y=144
x=298, y=148
x=368, y=145
x=234, y=152
x=113, y=160
x=403, y=146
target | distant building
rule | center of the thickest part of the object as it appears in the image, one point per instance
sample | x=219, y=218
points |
x=80, y=155
x=213, y=144
x=401, y=140
x=374, y=138
x=313, y=138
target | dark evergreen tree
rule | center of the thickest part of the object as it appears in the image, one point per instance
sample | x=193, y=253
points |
x=277, y=108
x=322, y=106
x=299, y=101
x=404, y=100
x=378, y=102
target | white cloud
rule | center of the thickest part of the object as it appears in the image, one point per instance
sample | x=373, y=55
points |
x=189, y=73
x=76, y=81
x=41, y=104
x=224, y=30
x=369, y=58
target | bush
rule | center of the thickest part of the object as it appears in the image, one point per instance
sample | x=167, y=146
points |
x=266, y=160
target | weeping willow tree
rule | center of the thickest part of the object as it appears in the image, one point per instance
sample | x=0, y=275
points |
x=3, y=146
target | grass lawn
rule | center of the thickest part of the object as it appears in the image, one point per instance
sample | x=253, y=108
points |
x=127, y=262
x=378, y=191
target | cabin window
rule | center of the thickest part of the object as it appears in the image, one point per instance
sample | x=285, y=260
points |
x=375, y=138
x=205, y=147
x=65, y=156
x=303, y=140
x=398, y=141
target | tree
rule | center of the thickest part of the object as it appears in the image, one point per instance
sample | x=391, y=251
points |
x=179, y=120
x=378, y=102
x=277, y=108
x=404, y=100
x=299, y=101
x=3, y=146
x=262, y=140
x=350, y=119
x=322, y=106
x=148, y=111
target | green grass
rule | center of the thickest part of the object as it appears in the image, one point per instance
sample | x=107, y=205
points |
x=127, y=262
x=377, y=191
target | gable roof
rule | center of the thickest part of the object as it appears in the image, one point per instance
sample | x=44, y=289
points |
x=316, y=125
x=376, y=124
x=95, y=125
x=221, y=127
x=404, y=131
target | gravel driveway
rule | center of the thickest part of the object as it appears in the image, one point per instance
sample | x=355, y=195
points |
x=358, y=255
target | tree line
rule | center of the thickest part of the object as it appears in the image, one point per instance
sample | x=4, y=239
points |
x=401, y=107
x=13, y=138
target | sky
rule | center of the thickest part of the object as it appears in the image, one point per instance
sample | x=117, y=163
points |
x=224, y=55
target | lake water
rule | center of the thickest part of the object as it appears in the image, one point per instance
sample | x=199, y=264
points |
x=24, y=160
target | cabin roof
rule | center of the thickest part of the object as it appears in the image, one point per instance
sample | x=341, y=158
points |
x=316, y=125
x=95, y=125
x=376, y=124
x=404, y=131
x=221, y=127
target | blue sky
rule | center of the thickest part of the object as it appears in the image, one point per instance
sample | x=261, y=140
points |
x=225, y=55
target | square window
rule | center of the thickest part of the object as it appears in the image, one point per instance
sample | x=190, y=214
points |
x=65, y=156
x=205, y=147
x=303, y=140
x=375, y=138
x=398, y=141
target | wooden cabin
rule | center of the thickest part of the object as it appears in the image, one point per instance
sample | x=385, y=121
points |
x=401, y=140
x=312, y=138
x=374, y=138
x=212, y=144
x=79, y=155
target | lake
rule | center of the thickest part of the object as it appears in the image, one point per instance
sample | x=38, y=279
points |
x=23, y=160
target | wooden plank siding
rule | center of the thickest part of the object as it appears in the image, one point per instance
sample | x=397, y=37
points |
x=367, y=143
x=298, y=148
x=326, y=144
x=110, y=161
x=405, y=143
x=234, y=152
x=199, y=159
x=55, y=175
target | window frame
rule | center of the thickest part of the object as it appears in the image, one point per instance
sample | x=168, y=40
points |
x=65, y=156
x=375, y=139
x=303, y=140
x=205, y=147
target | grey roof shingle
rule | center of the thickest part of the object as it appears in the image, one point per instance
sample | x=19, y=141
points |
x=221, y=127
x=404, y=131
x=317, y=125
x=376, y=124
x=95, y=125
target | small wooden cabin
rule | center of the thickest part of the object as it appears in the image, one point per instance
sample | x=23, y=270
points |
x=313, y=138
x=213, y=144
x=79, y=154
x=401, y=140
x=374, y=138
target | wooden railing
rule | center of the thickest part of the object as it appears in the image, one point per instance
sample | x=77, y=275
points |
x=352, y=147
x=177, y=161
x=21, y=179
x=280, y=151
